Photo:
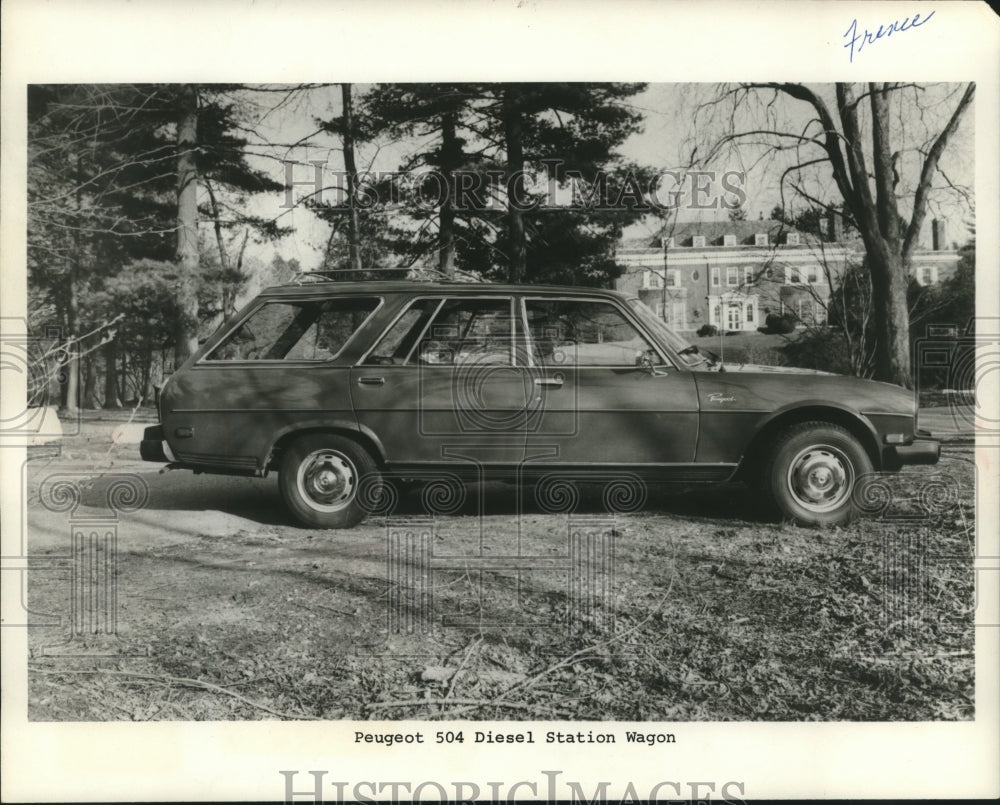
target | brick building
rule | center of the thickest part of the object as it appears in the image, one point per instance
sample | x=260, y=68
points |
x=732, y=274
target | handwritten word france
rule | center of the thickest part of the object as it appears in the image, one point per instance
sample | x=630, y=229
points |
x=857, y=40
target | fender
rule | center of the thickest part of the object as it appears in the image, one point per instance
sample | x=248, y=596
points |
x=325, y=423
x=800, y=410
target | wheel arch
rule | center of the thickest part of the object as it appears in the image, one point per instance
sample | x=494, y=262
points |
x=361, y=436
x=853, y=422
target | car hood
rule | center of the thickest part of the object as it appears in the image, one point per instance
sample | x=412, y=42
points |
x=773, y=388
x=757, y=367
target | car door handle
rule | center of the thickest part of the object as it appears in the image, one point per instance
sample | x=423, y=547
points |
x=371, y=381
x=548, y=381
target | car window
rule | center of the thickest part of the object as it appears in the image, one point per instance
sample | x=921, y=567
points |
x=466, y=330
x=579, y=332
x=301, y=330
x=398, y=341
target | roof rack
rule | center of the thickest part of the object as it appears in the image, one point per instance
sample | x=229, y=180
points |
x=412, y=273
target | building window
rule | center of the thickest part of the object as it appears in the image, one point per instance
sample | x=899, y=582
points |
x=652, y=279
x=732, y=276
x=812, y=275
x=698, y=242
x=748, y=275
x=715, y=277
x=749, y=313
x=928, y=275
x=729, y=240
x=760, y=239
x=717, y=314
x=794, y=276
x=792, y=238
x=673, y=279
x=668, y=243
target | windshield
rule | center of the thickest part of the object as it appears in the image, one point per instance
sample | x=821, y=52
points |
x=688, y=352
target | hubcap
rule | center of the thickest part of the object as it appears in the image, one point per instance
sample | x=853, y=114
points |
x=327, y=480
x=820, y=478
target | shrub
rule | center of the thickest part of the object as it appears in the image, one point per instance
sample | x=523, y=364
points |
x=821, y=348
x=779, y=323
x=707, y=329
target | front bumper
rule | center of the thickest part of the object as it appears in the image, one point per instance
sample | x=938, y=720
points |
x=922, y=450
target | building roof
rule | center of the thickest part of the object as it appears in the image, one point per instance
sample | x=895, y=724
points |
x=714, y=233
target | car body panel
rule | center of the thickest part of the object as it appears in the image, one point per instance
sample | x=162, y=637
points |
x=668, y=418
x=236, y=412
x=737, y=405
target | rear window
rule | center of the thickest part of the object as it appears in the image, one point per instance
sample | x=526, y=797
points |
x=299, y=330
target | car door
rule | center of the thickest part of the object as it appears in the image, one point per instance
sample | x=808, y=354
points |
x=444, y=384
x=606, y=395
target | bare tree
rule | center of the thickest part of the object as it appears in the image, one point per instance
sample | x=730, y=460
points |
x=186, y=338
x=865, y=153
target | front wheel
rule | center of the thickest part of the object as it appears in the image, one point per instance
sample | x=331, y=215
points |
x=319, y=476
x=811, y=473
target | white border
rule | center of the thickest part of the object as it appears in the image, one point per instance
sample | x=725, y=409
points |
x=79, y=42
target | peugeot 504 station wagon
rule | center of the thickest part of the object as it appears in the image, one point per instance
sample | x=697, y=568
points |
x=335, y=384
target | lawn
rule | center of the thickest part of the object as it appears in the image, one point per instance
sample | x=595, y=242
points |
x=761, y=348
x=706, y=608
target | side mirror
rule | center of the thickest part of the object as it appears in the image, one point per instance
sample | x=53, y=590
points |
x=646, y=360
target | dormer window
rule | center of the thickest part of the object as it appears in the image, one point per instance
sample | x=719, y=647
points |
x=729, y=240
x=760, y=239
x=792, y=238
x=698, y=242
x=668, y=243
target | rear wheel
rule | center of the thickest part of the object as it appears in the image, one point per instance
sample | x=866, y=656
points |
x=319, y=477
x=811, y=471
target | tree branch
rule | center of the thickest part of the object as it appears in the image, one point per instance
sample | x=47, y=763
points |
x=927, y=172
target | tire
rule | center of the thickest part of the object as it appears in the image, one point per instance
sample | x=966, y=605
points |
x=319, y=476
x=811, y=471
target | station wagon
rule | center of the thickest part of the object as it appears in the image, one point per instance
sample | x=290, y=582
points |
x=332, y=384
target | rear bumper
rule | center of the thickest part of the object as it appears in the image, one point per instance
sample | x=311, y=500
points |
x=153, y=446
x=921, y=451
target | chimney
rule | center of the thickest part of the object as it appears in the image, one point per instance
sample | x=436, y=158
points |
x=834, y=227
x=939, y=235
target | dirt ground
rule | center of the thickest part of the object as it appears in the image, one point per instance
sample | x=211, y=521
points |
x=695, y=606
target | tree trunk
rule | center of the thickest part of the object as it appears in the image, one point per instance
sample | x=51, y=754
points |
x=147, y=377
x=513, y=135
x=186, y=335
x=70, y=394
x=353, y=227
x=111, y=374
x=90, y=400
x=70, y=397
x=892, y=319
x=122, y=379
x=450, y=155
x=889, y=278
